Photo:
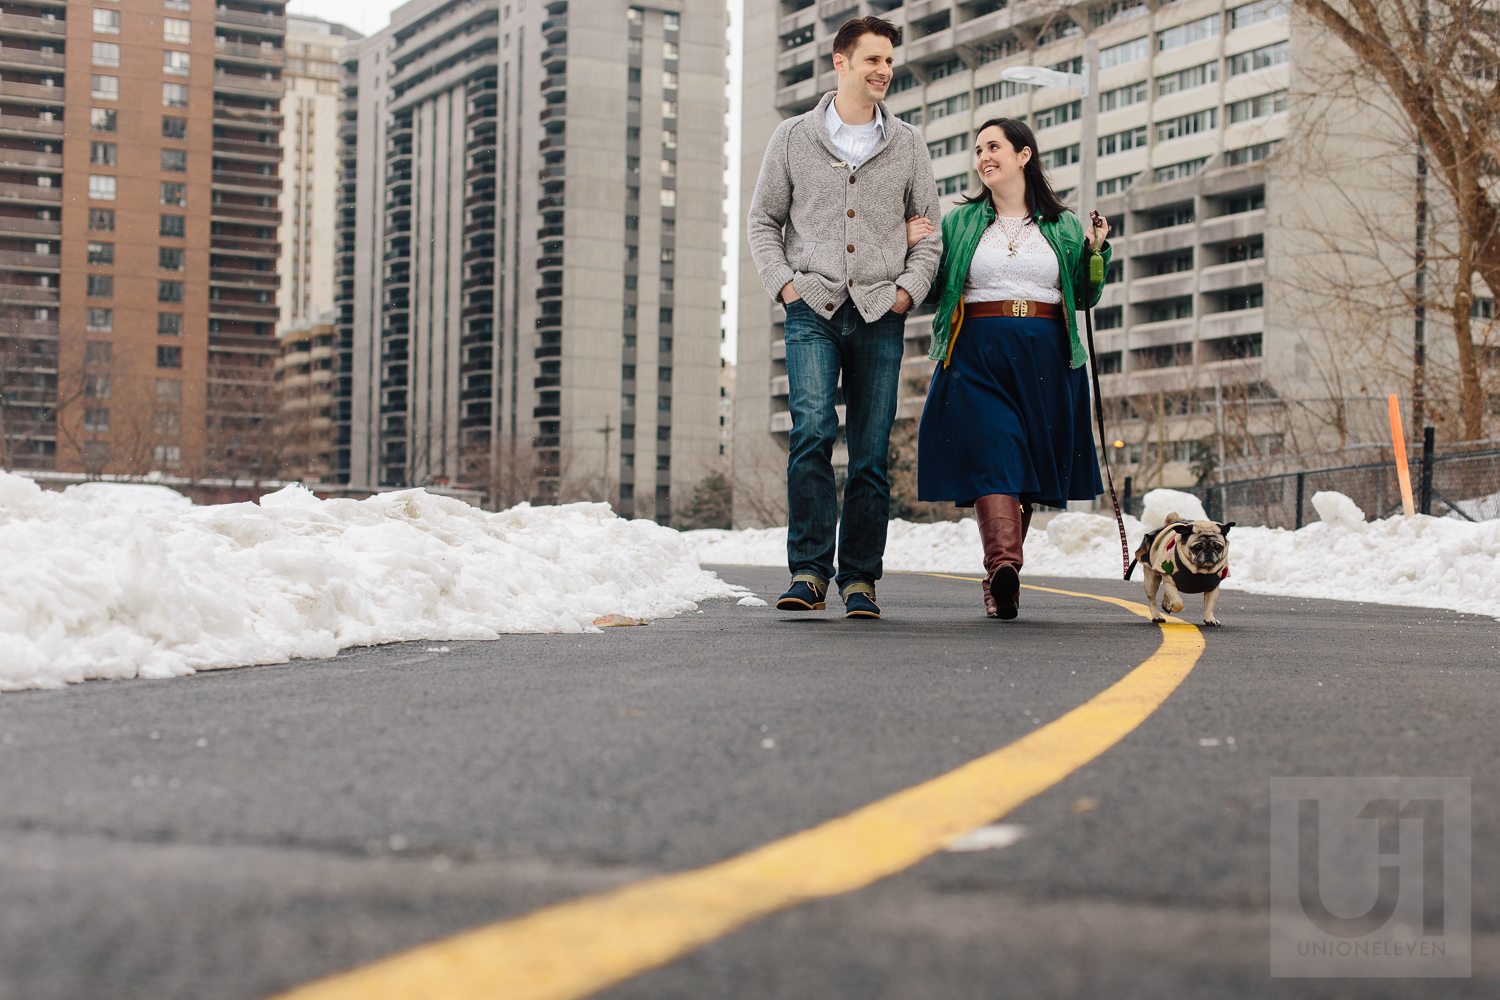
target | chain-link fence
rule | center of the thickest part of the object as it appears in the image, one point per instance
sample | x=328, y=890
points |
x=1462, y=485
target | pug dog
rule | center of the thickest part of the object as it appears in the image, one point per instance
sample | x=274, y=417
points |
x=1184, y=557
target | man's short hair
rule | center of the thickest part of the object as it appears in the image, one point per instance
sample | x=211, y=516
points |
x=858, y=27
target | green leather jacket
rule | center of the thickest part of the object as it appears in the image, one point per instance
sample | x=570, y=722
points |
x=962, y=228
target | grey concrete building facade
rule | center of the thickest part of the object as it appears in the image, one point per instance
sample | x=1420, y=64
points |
x=530, y=249
x=1195, y=98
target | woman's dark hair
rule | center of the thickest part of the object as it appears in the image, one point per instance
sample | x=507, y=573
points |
x=1042, y=203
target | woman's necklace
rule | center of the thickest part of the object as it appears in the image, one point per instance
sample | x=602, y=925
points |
x=1011, y=238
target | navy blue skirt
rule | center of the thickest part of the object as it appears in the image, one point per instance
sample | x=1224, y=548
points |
x=1008, y=415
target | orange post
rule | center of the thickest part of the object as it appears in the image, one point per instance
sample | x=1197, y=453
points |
x=1403, y=472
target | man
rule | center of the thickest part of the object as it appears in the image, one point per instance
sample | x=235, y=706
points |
x=827, y=229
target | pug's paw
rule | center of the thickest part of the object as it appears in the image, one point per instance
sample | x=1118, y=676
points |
x=1212, y=622
x=1176, y=606
x=1157, y=620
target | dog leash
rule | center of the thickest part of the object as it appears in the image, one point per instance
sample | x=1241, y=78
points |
x=1125, y=560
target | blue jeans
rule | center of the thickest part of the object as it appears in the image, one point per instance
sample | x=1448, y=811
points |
x=818, y=348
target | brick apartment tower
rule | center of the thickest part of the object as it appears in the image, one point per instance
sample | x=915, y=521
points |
x=139, y=161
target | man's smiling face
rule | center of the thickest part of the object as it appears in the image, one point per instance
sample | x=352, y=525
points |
x=865, y=71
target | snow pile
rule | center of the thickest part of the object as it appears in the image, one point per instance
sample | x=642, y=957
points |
x=108, y=580
x=1433, y=562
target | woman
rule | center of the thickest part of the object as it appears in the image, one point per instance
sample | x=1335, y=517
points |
x=1007, y=418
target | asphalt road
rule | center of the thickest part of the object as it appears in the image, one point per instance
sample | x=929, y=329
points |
x=233, y=834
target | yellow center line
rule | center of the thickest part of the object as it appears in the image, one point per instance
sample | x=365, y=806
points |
x=577, y=948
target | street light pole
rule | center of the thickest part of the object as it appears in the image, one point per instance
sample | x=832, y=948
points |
x=1088, y=156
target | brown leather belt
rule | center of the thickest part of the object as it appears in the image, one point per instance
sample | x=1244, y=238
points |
x=1014, y=308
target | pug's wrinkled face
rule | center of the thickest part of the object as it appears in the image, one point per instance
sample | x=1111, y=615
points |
x=1204, y=543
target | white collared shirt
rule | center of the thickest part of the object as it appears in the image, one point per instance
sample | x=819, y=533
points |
x=855, y=143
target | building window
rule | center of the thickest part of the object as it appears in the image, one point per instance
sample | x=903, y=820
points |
x=664, y=373
x=96, y=419
x=1187, y=79
x=668, y=198
x=175, y=63
x=1260, y=106
x=1186, y=34
x=953, y=185
x=1177, y=171
x=173, y=225
x=169, y=357
x=174, y=95
x=998, y=92
x=669, y=109
x=173, y=128
x=101, y=253
x=106, y=54
x=668, y=80
x=101, y=220
x=171, y=258
x=1250, y=154
x=1000, y=48
x=102, y=119
x=1261, y=58
x=98, y=352
x=1109, y=318
x=1244, y=298
x=169, y=291
x=101, y=188
x=911, y=117
x=97, y=386
x=1060, y=157
x=168, y=423
x=1058, y=115
x=664, y=315
x=1184, y=125
x=173, y=194
x=1123, y=97
x=1250, y=248
x=105, y=88
x=176, y=29
x=99, y=320
x=1170, y=309
x=1119, y=142
x=951, y=106
x=174, y=160
x=1125, y=52
x=169, y=324
x=668, y=168
x=663, y=463
x=1115, y=185
x=946, y=68
x=102, y=154
x=107, y=22
x=101, y=286
x=168, y=390
x=1254, y=13
x=169, y=455
x=949, y=146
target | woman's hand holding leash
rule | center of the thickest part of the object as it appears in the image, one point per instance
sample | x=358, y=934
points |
x=1099, y=230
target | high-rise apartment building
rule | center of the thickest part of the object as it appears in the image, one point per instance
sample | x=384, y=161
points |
x=138, y=212
x=531, y=247
x=1193, y=98
x=310, y=167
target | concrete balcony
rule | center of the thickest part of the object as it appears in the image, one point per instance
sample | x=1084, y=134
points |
x=253, y=55
x=1231, y=324
x=27, y=195
x=1225, y=228
x=1163, y=240
x=12, y=226
x=32, y=93
x=1238, y=274
x=792, y=58
x=1161, y=286
x=19, y=260
x=271, y=23
x=27, y=295
x=232, y=83
x=30, y=58
x=799, y=19
x=929, y=45
x=1174, y=331
x=798, y=93
x=33, y=27
x=16, y=159
x=830, y=9
x=28, y=127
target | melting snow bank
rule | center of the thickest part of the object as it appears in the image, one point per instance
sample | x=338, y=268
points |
x=107, y=580
x=1429, y=562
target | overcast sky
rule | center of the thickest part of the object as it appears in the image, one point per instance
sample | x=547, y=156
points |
x=369, y=16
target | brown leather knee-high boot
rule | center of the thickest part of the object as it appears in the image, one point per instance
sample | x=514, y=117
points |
x=1002, y=527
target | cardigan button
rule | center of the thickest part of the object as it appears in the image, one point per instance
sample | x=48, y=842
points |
x=850, y=248
x=829, y=307
x=851, y=213
x=851, y=178
x=851, y=282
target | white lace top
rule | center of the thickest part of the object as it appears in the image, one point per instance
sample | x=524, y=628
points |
x=1013, y=261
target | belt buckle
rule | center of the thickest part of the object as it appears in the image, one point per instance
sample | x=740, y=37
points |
x=1018, y=307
